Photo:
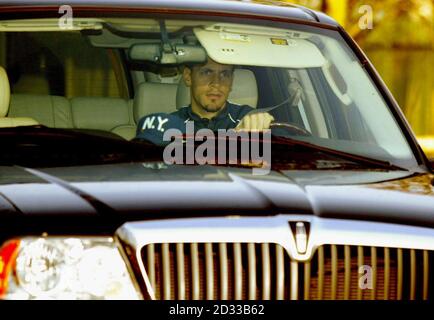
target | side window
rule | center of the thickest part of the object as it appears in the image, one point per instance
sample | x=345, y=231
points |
x=273, y=92
x=292, y=91
x=59, y=63
x=341, y=115
x=313, y=118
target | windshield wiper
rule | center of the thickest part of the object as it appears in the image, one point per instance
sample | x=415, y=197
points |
x=40, y=146
x=363, y=160
x=285, y=153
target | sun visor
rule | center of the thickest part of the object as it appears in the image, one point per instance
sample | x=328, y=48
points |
x=267, y=50
x=50, y=24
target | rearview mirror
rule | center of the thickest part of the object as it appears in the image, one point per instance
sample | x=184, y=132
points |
x=177, y=54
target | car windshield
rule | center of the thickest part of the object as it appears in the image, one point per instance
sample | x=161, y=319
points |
x=102, y=76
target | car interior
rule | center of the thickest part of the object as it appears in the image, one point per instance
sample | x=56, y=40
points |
x=105, y=75
x=26, y=105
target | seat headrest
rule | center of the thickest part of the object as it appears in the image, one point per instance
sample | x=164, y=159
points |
x=5, y=92
x=244, y=90
x=154, y=97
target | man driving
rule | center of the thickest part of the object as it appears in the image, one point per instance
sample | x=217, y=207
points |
x=210, y=85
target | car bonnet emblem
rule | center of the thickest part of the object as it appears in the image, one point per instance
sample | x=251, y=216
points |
x=300, y=237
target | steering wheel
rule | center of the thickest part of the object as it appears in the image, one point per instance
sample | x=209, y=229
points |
x=291, y=128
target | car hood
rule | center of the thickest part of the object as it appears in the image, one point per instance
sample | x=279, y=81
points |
x=154, y=190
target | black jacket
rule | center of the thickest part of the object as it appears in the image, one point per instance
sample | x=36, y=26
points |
x=226, y=119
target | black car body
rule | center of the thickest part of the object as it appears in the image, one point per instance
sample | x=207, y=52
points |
x=335, y=223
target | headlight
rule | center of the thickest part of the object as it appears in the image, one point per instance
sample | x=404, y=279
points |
x=64, y=268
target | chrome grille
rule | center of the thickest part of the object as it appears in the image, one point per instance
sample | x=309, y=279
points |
x=223, y=271
x=235, y=271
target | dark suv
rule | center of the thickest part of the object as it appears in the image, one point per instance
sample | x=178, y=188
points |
x=338, y=203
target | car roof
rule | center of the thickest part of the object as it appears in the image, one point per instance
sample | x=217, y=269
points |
x=266, y=8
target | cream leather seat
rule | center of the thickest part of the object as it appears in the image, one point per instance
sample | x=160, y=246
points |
x=244, y=90
x=162, y=97
x=50, y=111
x=150, y=98
x=5, y=96
x=101, y=113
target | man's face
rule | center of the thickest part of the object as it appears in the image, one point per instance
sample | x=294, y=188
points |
x=210, y=86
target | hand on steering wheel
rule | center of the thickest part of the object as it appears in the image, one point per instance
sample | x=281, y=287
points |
x=291, y=128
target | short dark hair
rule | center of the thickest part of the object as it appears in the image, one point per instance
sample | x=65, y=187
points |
x=197, y=64
x=191, y=65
